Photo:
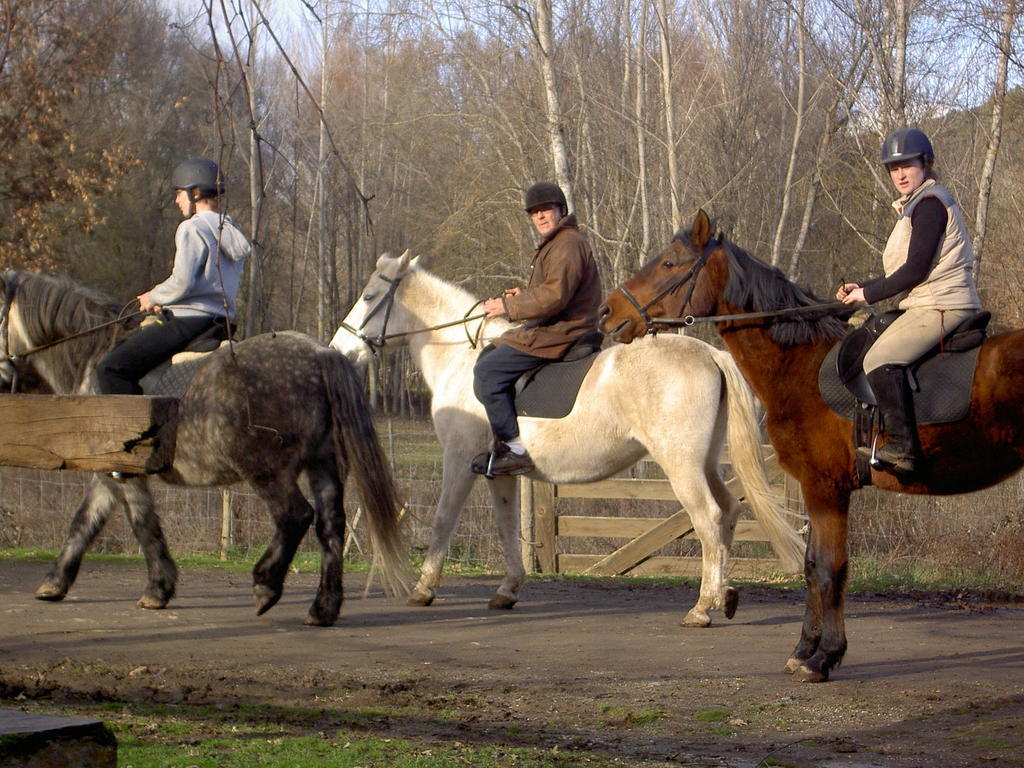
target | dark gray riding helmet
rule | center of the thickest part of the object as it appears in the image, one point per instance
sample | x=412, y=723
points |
x=198, y=173
x=906, y=144
x=544, y=193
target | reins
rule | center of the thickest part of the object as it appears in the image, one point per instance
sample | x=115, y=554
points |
x=388, y=301
x=688, y=320
x=12, y=281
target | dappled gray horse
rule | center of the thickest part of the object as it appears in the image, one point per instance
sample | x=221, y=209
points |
x=278, y=410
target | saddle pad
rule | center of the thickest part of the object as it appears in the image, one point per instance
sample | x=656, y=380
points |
x=171, y=379
x=549, y=392
x=942, y=393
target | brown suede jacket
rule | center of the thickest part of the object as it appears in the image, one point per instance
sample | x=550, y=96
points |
x=559, y=304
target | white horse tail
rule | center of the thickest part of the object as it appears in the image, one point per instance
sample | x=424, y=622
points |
x=359, y=451
x=748, y=464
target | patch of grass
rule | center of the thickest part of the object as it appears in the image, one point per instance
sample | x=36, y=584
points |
x=172, y=736
x=623, y=715
x=711, y=715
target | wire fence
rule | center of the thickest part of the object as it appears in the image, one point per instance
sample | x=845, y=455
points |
x=971, y=539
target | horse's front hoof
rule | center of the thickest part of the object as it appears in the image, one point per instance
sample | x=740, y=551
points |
x=151, y=603
x=732, y=601
x=792, y=665
x=501, y=602
x=805, y=674
x=50, y=593
x=421, y=597
x=266, y=598
x=313, y=620
x=696, y=618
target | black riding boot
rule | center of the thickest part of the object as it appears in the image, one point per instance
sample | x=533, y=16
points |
x=892, y=390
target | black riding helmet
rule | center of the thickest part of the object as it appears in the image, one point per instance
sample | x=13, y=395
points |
x=906, y=144
x=198, y=173
x=544, y=193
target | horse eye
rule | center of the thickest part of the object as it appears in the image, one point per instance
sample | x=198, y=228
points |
x=368, y=296
x=667, y=264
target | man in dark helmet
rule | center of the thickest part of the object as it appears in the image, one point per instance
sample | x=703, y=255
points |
x=556, y=309
x=210, y=254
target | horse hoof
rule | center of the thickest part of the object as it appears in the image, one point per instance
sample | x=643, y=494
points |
x=266, y=598
x=732, y=601
x=805, y=674
x=152, y=603
x=695, y=619
x=792, y=665
x=50, y=593
x=318, y=621
x=420, y=597
x=501, y=603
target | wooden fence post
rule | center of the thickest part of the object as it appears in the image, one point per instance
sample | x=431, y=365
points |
x=226, y=524
x=544, y=526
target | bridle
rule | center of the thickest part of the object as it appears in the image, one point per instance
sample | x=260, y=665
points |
x=386, y=304
x=650, y=323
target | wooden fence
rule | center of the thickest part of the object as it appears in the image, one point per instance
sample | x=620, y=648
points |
x=542, y=526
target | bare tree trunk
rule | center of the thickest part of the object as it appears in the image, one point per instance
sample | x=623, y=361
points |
x=544, y=37
x=798, y=126
x=995, y=133
x=641, y=136
x=321, y=188
x=661, y=7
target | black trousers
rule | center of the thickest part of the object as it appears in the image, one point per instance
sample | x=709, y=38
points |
x=495, y=375
x=119, y=371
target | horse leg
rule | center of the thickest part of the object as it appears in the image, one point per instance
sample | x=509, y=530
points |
x=102, y=497
x=456, y=483
x=709, y=524
x=730, y=512
x=292, y=517
x=162, y=572
x=326, y=490
x=506, y=516
x=822, y=641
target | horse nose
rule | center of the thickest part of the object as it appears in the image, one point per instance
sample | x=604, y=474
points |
x=603, y=311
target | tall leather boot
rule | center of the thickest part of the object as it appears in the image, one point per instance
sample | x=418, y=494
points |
x=892, y=390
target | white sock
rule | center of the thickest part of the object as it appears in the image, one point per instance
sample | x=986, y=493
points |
x=516, y=446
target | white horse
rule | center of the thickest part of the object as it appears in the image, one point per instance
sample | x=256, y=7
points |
x=670, y=396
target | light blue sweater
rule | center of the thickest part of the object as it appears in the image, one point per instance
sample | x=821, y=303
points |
x=208, y=262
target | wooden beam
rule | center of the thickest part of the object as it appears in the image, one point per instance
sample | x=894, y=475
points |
x=662, y=565
x=619, y=488
x=628, y=555
x=631, y=527
x=92, y=433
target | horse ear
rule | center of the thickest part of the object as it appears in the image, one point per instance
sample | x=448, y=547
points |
x=701, y=232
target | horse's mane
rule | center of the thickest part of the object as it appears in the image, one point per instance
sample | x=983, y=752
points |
x=52, y=308
x=760, y=287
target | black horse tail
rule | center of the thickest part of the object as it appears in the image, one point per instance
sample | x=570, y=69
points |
x=359, y=451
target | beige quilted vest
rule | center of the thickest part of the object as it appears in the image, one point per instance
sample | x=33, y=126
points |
x=950, y=282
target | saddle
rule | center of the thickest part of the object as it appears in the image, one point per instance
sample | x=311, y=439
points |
x=549, y=390
x=940, y=382
x=172, y=377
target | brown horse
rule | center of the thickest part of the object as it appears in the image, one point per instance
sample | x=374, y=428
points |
x=700, y=277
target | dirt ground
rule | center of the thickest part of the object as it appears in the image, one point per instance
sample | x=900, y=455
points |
x=928, y=680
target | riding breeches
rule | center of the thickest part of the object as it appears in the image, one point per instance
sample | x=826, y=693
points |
x=119, y=371
x=912, y=335
x=495, y=375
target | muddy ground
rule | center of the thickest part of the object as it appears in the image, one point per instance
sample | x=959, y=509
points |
x=929, y=680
